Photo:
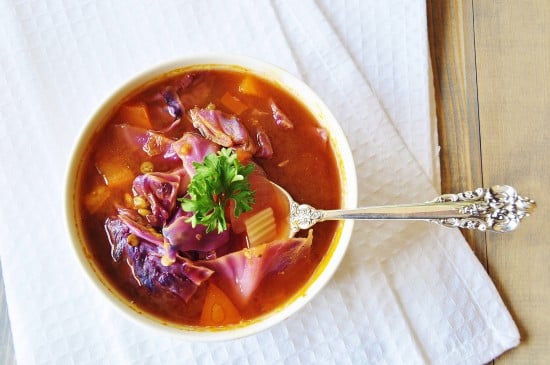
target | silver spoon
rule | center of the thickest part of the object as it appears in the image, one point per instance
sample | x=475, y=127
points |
x=498, y=209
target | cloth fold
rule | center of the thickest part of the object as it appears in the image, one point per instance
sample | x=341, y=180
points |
x=405, y=292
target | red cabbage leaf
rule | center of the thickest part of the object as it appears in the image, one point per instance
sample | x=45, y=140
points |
x=191, y=148
x=241, y=272
x=223, y=129
x=160, y=190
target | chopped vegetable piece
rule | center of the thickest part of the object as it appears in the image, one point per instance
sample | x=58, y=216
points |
x=158, y=144
x=280, y=118
x=219, y=179
x=139, y=226
x=234, y=104
x=241, y=272
x=221, y=128
x=182, y=280
x=143, y=256
x=249, y=86
x=135, y=114
x=160, y=190
x=261, y=227
x=243, y=156
x=198, y=95
x=218, y=310
x=96, y=198
x=265, y=150
x=173, y=103
x=322, y=132
x=115, y=172
x=182, y=236
x=191, y=148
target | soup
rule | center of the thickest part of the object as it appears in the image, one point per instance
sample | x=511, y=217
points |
x=143, y=173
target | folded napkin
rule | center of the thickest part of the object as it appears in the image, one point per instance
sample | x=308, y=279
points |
x=405, y=292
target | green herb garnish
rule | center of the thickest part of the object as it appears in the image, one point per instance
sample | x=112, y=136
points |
x=218, y=179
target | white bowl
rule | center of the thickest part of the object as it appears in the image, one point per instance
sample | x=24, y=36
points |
x=325, y=269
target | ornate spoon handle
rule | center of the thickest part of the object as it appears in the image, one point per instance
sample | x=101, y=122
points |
x=498, y=209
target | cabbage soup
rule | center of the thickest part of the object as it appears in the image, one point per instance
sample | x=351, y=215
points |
x=176, y=209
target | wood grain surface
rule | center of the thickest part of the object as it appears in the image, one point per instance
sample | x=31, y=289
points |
x=492, y=77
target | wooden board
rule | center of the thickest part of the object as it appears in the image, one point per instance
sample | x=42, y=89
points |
x=492, y=72
x=451, y=38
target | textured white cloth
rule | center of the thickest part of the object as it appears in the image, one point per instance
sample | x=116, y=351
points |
x=405, y=293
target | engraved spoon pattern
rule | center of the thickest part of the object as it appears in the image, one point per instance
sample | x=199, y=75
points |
x=499, y=208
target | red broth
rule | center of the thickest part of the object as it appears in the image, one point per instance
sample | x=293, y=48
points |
x=303, y=162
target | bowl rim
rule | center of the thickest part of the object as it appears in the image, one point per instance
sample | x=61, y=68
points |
x=337, y=248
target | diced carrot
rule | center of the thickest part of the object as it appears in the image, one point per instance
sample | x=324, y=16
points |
x=243, y=156
x=96, y=198
x=234, y=104
x=249, y=86
x=218, y=309
x=115, y=172
x=135, y=114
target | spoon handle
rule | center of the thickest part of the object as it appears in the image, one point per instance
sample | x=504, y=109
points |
x=498, y=209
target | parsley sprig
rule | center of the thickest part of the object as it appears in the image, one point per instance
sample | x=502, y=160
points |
x=218, y=179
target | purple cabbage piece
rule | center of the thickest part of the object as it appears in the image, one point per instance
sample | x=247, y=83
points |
x=166, y=107
x=160, y=190
x=192, y=147
x=132, y=137
x=185, y=179
x=182, y=278
x=173, y=103
x=280, y=118
x=139, y=226
x=157, y=144
x=117, y=233
x=181, y=235
x=241, y=272
x=223, y=129
x=265, y=150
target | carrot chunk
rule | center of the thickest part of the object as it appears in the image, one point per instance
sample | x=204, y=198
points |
x=249, y=86
x=115, y=172
x=96, y=198
x=218, y=310
x=243, y=156
x=233, y=104
x=135, y=114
